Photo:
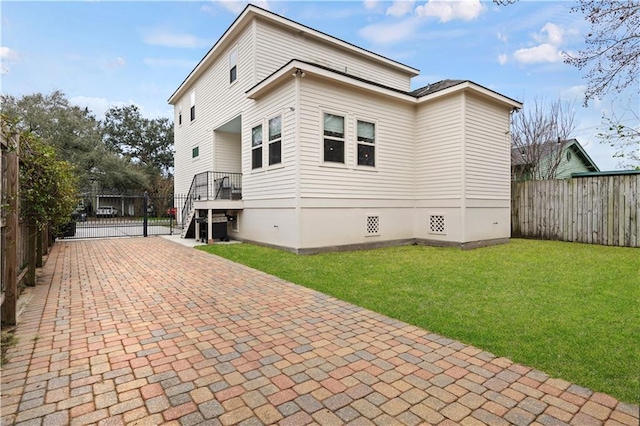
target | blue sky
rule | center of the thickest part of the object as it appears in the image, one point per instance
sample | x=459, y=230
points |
x=108, y=53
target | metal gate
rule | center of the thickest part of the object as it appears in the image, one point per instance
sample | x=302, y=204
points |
x=109, y=214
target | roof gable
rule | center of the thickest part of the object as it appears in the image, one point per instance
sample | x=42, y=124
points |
x=416, y=96
x=251, y=12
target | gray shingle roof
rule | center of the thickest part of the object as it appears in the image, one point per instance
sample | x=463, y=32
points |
x=435, y=87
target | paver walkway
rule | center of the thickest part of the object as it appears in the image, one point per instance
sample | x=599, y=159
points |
x=144, y=331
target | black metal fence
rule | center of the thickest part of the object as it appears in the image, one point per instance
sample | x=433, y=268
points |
x=107, y=214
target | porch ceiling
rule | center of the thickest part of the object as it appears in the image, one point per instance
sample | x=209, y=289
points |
x=233, y=126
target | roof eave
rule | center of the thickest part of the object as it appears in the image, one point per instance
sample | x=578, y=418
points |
x=236, y=26
x=585, y=157
x=469, y=85
x=289, y=70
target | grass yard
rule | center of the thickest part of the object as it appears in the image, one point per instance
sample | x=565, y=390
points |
x=568, y=309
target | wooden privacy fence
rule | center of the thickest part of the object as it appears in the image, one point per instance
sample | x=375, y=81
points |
x=595, y=209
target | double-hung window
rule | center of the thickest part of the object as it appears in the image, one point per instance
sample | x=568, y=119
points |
x=256, y=147
x=233, y=65
x=193, y=106
x=275, y=140
x=333, y=138
x=366, y=144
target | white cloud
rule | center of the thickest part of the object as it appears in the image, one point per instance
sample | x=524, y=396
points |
x=390, y=32
x=538, y=54
x=165, y=62
x=400, y=8
x=550, y=33
x=7, y=56
x=445, y=10
x=118, y=62
x=502, y=59
x=163, y=37
x=550, y=38
x=502, y=37
x=370, y=4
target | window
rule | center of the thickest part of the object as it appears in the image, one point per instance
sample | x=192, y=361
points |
x=195, y=152
x=366, y=144
x=275, y=140
x=333, y=138
x=233, y=65
x=180, y=114
x=256, y=147
x=193, y=106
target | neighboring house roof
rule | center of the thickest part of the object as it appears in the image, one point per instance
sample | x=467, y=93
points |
x=428, y=92
x=252, y=11
x=607, y=173
x=547, y=148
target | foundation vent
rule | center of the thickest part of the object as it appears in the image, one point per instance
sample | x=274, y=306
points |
x=436, y=224
x=373, y=225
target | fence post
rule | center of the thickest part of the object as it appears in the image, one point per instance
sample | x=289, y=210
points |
x=10, y=273
x=146, y=215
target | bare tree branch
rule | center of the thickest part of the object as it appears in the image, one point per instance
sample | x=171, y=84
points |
x=538, y=136
x=624, y=138
x=611, y=58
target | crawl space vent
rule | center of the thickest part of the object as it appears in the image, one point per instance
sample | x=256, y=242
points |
x=373, y=225
x=436, y=224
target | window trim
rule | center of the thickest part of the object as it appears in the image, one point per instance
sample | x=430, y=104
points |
x=344, y=139
x=374, y=144
x=192, y=109
x=230, y=68
x=261, y=146
x=279, y=139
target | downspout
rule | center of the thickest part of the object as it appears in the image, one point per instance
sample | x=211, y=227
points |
x=298, y=173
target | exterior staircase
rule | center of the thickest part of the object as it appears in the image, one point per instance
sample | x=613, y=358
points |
x=208, y=186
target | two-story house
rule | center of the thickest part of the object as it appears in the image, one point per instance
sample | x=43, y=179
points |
x=299, y=140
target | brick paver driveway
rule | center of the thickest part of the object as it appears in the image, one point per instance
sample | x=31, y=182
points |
x=145, y=331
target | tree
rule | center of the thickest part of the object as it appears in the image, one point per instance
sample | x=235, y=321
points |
x=538, y=136
x=625, y=139
x=48, y=185
x=145, y=142
x=612, y=55
x=76, y=136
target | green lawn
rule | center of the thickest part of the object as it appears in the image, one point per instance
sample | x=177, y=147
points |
x=571, y=310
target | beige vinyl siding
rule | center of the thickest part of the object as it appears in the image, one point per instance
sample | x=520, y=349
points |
x=438, y=156
x=275, y=181
x=488, y=161
x=217, y=102
x=275, y=46
x=392, y=177
x=228, y=152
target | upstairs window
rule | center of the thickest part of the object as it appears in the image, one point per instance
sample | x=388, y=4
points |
x=233, y=65
x=275, y=140
x=333, y=138
x=366, y=144
x=256, y=147
x=195, y=152
x=180, y=114
x=193, y=106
